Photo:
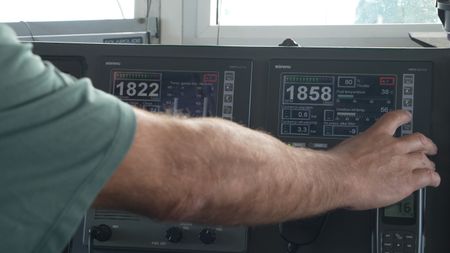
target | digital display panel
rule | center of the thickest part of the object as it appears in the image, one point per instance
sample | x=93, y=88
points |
x=402, y=209
x=333, y=105
x=193, y=93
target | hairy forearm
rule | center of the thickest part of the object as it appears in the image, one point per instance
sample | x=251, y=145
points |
x=215, y=171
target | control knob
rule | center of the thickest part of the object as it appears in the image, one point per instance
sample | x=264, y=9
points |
x=207, y=236
x=101, y=232
x=174, y=234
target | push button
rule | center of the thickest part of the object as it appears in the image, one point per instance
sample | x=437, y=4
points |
x=407, y=127
x=228, y=98
x=227, y=109
x=387, y=237
x=398, y=246
x=398, y=242
x=409, y=246
x=398, y=236
x=388, y=244
x=407, y=102
x=409, y=237
x=229, y=87
x=387, y=250
x=408, y=90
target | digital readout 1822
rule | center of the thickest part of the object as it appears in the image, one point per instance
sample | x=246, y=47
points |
x=136, y=86
x=140, y=89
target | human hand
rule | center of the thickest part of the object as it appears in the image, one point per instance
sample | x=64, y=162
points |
x=380, y=169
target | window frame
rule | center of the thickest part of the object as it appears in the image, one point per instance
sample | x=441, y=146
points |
x=206, y=32
x=93, y=30
x=138, y=6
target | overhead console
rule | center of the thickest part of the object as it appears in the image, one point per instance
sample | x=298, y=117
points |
x=306, y=97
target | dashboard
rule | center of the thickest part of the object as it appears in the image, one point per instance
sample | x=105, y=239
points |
x=306, y=97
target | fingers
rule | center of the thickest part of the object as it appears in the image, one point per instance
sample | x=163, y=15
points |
x=390, y=121
x=426, y=177
x=417, y=142
x=418, y=161
x=423, y=170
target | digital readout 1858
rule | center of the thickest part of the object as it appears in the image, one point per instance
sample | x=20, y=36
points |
x=308, y=89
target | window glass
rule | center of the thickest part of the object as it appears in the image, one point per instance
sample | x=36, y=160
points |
x=65, y=10
x=325, y=12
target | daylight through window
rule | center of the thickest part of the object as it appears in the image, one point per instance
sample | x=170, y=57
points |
x=326, y=12
x=67, y=10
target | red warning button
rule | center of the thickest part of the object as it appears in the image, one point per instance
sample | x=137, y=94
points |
x=210, y=78
x=388, y=80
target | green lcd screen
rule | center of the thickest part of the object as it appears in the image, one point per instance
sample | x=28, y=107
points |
x=402, y=209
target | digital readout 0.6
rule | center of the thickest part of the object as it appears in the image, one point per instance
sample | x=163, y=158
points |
x=308, y=90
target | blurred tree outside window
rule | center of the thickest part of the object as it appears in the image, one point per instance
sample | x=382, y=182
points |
x=396, y=11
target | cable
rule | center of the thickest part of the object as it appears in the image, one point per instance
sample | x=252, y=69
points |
x=120, y=8
x=29, y=30
x=302, y=232
x=292, y=247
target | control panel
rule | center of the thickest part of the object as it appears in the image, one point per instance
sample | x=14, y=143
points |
x=306, y=97
x=399, y=227
x=320, y=103
x=180, y=86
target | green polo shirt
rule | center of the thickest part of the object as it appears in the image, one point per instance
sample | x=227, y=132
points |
x=60, y=141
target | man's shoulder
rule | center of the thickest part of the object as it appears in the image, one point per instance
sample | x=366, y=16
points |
x=7, y=35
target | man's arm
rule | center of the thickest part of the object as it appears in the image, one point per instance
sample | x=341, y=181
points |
x=214, y=171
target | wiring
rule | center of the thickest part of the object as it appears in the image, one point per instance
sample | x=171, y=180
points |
x=292, y=247
x=29, y=30
x=302, y=232
x=120, y=8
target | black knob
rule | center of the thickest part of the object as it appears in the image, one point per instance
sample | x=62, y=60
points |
x=174, y=234
x=207, y=236
x=101, y=232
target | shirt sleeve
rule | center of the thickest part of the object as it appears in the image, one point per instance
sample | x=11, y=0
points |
x=60, y=141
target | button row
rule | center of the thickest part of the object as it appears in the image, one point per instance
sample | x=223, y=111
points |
x=228, y=95
x=408, y=100
x=398, y=242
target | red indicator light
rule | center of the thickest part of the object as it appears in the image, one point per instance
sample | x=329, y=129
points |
x=210, y=78
x=388, y=80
